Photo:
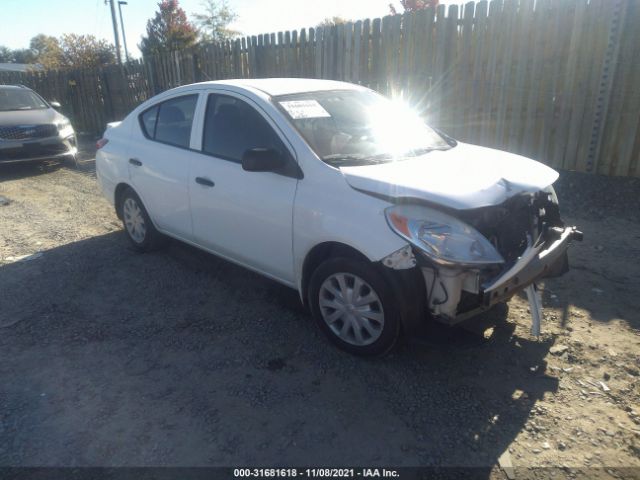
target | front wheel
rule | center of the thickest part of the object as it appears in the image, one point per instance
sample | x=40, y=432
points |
x=137, y=224
x=354, y=306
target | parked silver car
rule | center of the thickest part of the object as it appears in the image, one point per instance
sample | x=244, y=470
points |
x=31, y=129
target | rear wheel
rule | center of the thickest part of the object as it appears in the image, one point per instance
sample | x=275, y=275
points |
x=137, y=224
x=354, y=306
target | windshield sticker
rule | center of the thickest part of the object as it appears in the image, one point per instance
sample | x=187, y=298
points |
x=304, y=109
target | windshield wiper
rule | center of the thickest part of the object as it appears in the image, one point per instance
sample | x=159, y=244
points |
x=422, y=151
x=355, y=158
x=340, y=159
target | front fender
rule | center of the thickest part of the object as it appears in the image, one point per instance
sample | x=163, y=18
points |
x=342, y=216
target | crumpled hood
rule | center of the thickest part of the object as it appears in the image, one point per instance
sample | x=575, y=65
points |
x=463, y=177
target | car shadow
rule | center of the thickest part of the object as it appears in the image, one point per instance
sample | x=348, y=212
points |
x=602, y=282
x=15, y=171
x=180, y=358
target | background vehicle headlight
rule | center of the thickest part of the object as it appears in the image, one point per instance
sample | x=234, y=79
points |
x=441, y=237
x=64, y=127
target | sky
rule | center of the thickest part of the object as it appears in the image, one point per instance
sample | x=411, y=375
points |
x=22, y=19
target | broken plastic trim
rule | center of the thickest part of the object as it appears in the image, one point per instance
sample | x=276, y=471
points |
x=535, y=306
x=402, y=259
x=532, y=265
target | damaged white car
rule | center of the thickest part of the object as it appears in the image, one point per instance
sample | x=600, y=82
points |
x=380, y=222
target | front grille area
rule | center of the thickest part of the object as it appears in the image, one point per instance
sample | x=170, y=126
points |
x=26, y=132
x=32, y=150
x=507, y=225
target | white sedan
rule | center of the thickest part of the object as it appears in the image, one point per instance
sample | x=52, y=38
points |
x=380, y=222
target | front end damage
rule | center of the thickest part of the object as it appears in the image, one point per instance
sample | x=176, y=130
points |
x=527, y=232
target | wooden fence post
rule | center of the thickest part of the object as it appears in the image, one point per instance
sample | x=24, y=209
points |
x=607, y=74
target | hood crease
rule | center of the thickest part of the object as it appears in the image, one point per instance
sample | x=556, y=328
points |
x=462, y=178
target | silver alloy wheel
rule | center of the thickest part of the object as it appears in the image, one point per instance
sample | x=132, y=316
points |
x=351, y=308
x=133, y=220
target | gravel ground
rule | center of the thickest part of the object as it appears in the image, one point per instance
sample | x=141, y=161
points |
x=112, y=358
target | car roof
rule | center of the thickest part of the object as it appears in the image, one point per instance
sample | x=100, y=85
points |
x=286, y=86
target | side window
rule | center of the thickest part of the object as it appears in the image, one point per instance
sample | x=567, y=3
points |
x=170, y=122
x=148, y=121
x=232, y=127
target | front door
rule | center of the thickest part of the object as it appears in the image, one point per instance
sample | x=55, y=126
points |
x=245, y=216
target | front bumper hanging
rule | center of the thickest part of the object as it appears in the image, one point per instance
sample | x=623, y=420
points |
x=537, y=261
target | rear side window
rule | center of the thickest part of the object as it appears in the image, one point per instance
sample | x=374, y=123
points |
x=148, y=121
x=232, y=127
x=170, y=122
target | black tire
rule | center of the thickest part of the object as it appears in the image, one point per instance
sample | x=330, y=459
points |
x=390, y=331
x=151, y=239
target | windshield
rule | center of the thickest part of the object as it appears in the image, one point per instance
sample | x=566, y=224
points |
x=353, y=127
x=20, y=99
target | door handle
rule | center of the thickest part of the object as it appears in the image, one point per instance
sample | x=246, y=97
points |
x=135, y=161
x=204, y=181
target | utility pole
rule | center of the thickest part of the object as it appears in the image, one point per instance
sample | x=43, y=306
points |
x=124, y=37
x=115, y=30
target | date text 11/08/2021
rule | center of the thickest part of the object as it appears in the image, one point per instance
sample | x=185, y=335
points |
x=315, y=472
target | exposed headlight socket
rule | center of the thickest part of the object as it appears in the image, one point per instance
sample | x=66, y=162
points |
x=402, y=259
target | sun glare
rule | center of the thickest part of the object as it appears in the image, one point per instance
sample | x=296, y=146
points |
x=397, y=127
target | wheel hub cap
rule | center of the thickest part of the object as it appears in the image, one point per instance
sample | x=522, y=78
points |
x=134, y=220
x=351, y=308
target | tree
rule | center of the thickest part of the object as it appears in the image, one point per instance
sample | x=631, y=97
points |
x=6, y=54
x=413, y=5
x=331, y=21
x=23, y=55
x=168, y=30
x=69, y=51
x=85, y=51
x=46, y=51
x=20, y=55
x=214, y=22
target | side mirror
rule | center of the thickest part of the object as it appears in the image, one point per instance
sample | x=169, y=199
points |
x=262, y=160
x=55, y=105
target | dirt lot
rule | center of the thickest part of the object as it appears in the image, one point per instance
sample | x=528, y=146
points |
x=109, y=357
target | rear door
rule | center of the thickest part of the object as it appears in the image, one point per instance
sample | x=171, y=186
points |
x=245, y=216
x=159, y=163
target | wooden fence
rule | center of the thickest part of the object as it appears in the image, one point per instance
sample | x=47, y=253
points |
x=557, y=80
